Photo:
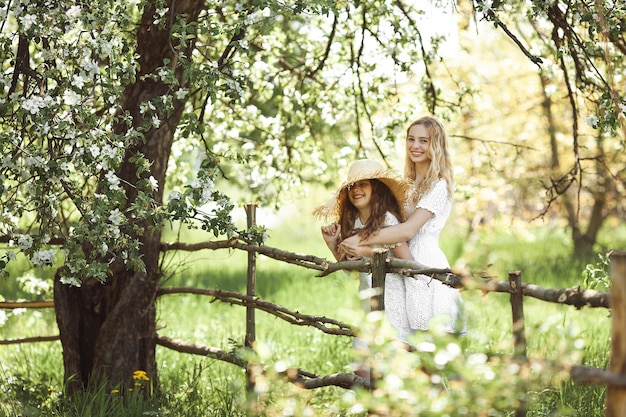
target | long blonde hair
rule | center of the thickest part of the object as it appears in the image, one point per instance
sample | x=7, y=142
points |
x=440, y=164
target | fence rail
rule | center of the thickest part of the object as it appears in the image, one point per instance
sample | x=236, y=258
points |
x=379, y=265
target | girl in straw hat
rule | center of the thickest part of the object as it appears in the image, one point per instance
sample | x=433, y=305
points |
x=370, y=199
x=428, y=164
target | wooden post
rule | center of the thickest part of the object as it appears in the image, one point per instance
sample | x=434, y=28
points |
x=251, y=369
x=519, y=334
x=517, y=309
x=377, y=301
x=379, y=264
x=616, y=396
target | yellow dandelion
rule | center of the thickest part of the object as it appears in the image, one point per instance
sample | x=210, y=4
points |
x=140, y=375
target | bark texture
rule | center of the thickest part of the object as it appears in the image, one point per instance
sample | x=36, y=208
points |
x=108, y=330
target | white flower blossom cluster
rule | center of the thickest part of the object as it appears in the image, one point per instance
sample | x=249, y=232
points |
x=9, y=221
x=24, y=242
x=36, y=103
x=70, y=281
x=34, y=285
x=154, y=184
x=116, y=217
x=206, y=186
x=43, y=257
x=592, y=120
x=114, y=181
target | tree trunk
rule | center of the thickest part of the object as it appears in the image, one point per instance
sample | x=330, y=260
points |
x=583, y=241
x=108, y=330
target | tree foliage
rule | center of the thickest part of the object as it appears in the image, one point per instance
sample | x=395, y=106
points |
x=111, y=106
x=99, y=96
x=563, y=119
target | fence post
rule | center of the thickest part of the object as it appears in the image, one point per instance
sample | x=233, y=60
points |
x=517, y=310
x=251, y=369
x=616, y=396
x=377, y=301
x=519, y=333
x=379, y=266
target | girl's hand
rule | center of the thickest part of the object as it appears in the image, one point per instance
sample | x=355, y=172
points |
x=353, y=240
x=330, y=234
x=353, y=252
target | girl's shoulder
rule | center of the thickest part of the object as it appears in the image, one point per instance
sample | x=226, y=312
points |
x=391, y=219
x=439, y=186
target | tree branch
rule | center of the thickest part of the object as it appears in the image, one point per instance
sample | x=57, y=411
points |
x=10, y=305
x=570, y=296
x=296, y=376
x=326, y=325
x=431, y=91
x=491, y=16
x=52, y=338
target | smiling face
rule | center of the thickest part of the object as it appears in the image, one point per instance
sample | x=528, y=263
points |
x=360, y=194
x=418, y=144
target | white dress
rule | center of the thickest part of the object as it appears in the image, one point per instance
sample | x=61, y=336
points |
x=395, y=292
x=426, y=297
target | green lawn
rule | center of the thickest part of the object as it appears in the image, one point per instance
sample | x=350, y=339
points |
x=466, y=376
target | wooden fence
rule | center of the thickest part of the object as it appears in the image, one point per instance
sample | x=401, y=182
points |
x=614, y=377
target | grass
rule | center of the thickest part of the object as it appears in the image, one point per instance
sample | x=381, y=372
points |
x=31, y=374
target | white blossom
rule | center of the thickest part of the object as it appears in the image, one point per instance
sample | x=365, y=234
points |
x=109, y=151
x=592, y=120
x=34, y=285
x=73, y=12
x=206, y=186
x=43, y=257
x=163, y=73
x=34, y=104
x=174, y=195
x=33, y=161
x=115, y=231
x=9, y=219
x=116, y=217
x=181, y=94
x=28, y=20
x=71, y=98
x=91, y=67
x=102, y=197
x=78, y=81
x=154, y=184
x=70, y=281
x=114, y=181
x=95, y=150
x=7, y=162
x=24, y=242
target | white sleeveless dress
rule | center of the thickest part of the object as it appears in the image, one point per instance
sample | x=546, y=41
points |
x=428, y=298
x=395, y=291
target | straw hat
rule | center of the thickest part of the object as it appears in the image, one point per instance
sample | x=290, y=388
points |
x=365, y=169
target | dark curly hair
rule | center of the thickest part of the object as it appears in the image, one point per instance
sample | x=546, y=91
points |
x=382, y=201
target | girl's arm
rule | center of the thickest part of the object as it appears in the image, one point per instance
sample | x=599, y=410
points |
x=357, y=252
x=330, y=234
x=402, y=251
x=394, y=234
